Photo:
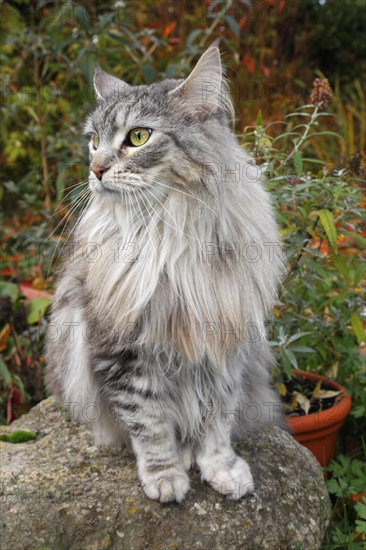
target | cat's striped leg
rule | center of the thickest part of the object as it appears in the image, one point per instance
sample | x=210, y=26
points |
x=220, y=466
x=143, y=411
x=161, y=470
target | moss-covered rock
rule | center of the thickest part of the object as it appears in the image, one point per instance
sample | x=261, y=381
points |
x=61, y=492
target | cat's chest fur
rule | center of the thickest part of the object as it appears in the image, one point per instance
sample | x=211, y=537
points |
x=156, y=279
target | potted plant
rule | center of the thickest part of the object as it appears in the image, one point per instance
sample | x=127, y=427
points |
x=316, y=409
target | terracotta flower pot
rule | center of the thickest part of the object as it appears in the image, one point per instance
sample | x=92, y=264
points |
x=319, y=431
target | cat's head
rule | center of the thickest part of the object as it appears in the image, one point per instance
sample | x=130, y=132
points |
x=147, y=139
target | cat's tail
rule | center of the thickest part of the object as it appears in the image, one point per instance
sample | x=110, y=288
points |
x=259, y=403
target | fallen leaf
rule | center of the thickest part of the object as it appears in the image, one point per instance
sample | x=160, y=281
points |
x=326, y=394
x=31, y=293
x=281, y=388
x=317, y=388
x=303, y=401
x=4, y=335
x=38, y=283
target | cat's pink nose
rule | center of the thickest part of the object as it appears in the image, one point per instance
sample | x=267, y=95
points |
x=99, y=171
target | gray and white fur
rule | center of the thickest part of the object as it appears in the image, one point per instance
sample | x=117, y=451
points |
x=157, y=332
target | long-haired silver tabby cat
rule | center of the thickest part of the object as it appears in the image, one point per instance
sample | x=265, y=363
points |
x=157, y=330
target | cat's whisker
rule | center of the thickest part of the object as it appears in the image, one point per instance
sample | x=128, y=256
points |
x=193, y=196
x=151, y=210
x=144, y=221
x=129, y=210
x=66, y=205
x=75, y=185
x=68, y=216
x=138, y=215
x=176, y=228
x=72, y=189
x=79, y=200
x=83, y=209
x=63, y=203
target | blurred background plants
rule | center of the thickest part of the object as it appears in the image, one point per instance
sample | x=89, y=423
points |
x=319, y=322
x=312, y=154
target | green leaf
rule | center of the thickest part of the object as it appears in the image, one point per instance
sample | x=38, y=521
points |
x=298, y=163
x=296, y=336
x=286, y=135
x=332, y=486
x=358, y=329
x=359, y=411
x=5, y=375
x=259, y=121
x=82, y=16
x=287, y=230
x=106, y=18
x=342, y=268
x=87, y=67
x=192, y=36
x=360, y=526
x=119, y=39
x=302, y=349
x=361, y=510
x=37, y=309
x=148, y=72
x=233, y=24
x=333, y=134
x=9, y=289
x=298, y=114
x=327, y=221
x=341, y=297
x=314, y=161
x=291, y=357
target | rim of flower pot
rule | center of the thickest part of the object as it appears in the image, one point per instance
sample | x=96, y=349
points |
x=327, y=418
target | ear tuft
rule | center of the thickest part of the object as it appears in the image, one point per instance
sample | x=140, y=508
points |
x=205, y=88
x=105, y=84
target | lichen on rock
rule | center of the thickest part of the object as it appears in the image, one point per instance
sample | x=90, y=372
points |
x=72, y=495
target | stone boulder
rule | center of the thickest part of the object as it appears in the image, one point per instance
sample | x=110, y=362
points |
x=60, y=492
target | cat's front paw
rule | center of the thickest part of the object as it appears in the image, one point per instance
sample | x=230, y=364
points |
x=165, y=485
x=228, y=477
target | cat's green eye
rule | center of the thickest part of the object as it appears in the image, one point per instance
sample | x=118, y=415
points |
x=95, y=141
x=139, y=136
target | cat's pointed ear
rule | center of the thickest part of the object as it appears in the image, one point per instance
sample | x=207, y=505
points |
x=106, y=84
x=205, y=87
